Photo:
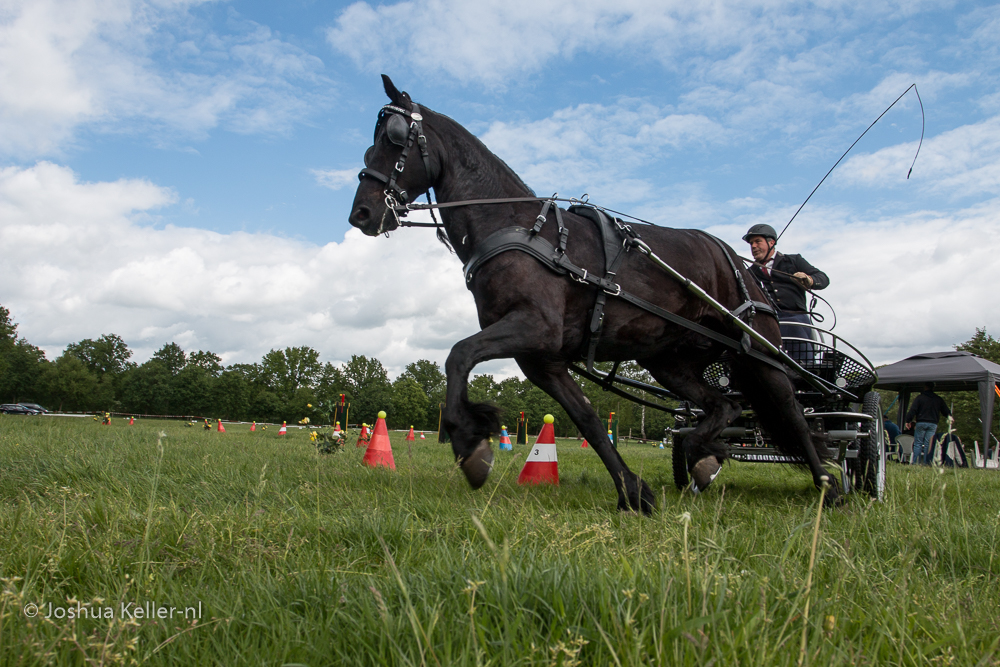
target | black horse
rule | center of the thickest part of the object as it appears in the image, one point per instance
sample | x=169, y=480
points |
x=540, y=319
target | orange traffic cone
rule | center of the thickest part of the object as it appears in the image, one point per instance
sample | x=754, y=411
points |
x=222, y=429
x=422, y=436
x=365, y=435
x=336, y=428
x=131, y=420
x=379, y=452
x=542, y=466
x=284, y=428
x=505, y=444
x=253, y=427
x=584, y=444
x=409, y=436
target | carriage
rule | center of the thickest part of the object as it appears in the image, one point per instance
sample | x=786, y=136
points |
x=850, y=420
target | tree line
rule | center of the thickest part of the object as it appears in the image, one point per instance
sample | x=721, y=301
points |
x=285, y=385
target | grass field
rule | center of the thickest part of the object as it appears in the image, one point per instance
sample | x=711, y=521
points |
x=301, y=558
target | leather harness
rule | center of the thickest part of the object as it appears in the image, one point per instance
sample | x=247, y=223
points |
x=617, y=239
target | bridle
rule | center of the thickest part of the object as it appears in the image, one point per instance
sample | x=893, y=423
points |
x=402, y=128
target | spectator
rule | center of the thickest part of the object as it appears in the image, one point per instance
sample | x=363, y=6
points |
x=923, y=416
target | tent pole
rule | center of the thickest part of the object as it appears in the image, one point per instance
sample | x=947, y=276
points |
x=904, y=403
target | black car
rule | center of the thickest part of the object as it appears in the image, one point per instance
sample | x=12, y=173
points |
x=34, y=406
x=17, y=409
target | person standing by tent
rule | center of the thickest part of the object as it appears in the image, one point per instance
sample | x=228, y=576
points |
x=923, y=416
x=785, y=278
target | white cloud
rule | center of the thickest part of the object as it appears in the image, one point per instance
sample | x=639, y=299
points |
x=598, y=148
x=79, y=262
x=128, y=65
x=493, y=40
x=336, y=179
x=962, y=162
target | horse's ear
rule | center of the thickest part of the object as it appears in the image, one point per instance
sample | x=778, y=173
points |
x=398, y=98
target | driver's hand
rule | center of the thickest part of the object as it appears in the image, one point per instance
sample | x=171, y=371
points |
x=803, y=279
x=951, y=420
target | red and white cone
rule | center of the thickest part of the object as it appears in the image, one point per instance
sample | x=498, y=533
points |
x=336, y=428
x=379, y=452
x=422, y=436
x=284, y=428
x=542, y=466
x=409, y=436
x=131, y=420
x=253, y=427
x=222, y=429
x=363, y=438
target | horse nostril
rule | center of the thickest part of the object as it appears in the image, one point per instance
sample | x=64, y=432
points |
x=361, y=215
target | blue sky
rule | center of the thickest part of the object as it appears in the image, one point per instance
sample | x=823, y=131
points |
x=183, y=170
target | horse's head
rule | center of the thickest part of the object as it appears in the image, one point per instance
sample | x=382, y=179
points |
x=397, y=166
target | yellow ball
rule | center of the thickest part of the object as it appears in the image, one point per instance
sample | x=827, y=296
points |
x=381, y=414
x=548, y=419
x=309, y=405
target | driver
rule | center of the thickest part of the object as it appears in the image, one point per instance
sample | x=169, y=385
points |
x=785, y=278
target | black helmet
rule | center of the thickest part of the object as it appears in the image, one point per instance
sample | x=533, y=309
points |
x=767, y=231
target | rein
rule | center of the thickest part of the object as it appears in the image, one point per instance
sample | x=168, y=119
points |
x=404, y=134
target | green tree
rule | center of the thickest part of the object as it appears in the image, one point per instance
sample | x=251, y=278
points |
x=409, y=404
x=210, y=361
x=232, y=392
x=285, y=371
x=367, y=384
x=147, y=389
x=193, y=391
x=172, y=357
x=434, y=384
x=483, y=389
x=21, y=363
x=70, y=385
x=982, y=345
x=22, y=367
x=108, y=355
x=968, y=422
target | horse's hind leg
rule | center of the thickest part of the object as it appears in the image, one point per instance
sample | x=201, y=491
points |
x=703, y=452
x=554, y=379
x=772, y=397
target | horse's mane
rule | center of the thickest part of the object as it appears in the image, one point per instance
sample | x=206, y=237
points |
x=504, y=169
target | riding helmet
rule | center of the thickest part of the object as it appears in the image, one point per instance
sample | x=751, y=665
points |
x=767, y=231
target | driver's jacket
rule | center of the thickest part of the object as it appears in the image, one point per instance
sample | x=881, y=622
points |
x=787, y=296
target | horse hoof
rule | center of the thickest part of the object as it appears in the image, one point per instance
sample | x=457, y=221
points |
x=478, y=464
x=704, y=473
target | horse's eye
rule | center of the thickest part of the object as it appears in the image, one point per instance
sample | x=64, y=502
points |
x=396, y=129
x=368, y=155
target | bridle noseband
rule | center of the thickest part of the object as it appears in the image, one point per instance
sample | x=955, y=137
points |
x=401, y=133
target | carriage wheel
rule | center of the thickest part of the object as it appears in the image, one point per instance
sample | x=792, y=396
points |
x=871, y=454
x=680, y=464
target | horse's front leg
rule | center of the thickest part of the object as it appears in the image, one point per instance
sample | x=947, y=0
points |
x=470, y=425
x=554, y=379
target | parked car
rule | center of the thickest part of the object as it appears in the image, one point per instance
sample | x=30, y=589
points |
x=17, y=409
x=34, y=406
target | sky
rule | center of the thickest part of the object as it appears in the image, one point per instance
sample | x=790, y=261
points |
x=183, y=170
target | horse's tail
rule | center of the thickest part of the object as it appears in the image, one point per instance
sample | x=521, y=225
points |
x=772, y=397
